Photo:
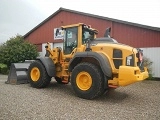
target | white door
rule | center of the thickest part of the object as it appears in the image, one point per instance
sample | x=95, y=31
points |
x=58, y=45
x=153, y=54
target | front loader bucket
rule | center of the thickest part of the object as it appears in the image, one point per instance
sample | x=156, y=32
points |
x=18, y=73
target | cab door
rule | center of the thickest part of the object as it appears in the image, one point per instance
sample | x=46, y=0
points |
x=70, y=40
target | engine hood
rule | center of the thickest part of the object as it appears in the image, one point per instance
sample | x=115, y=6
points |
x=106, y=41
x=103, y=40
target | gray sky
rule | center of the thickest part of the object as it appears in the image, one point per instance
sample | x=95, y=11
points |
x=20, y=16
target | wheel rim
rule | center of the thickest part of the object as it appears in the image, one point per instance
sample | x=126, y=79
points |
x=83, y=80
x=35, y=74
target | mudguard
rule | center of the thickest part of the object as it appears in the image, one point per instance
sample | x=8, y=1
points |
x=49, y=65
x=103, y=61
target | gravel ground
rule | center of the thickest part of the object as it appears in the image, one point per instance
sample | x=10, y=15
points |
x=139, y=101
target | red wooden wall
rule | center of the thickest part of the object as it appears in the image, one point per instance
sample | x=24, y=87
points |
x=123, y=33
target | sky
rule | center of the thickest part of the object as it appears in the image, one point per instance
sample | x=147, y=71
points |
x=20, y=16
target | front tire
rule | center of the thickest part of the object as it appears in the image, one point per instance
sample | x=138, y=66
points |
x=37, y=75
x=87, y=80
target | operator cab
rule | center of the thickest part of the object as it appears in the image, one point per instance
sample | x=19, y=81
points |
x=74, y=38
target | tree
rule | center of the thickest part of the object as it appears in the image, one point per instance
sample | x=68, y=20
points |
x=17, y=50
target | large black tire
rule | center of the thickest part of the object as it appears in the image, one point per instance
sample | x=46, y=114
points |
x=37, y=75
x=87, y=80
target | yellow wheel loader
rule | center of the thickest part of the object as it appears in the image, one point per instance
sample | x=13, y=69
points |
x=92, y=65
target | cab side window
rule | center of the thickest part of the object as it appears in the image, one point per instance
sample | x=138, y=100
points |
x=86, y=35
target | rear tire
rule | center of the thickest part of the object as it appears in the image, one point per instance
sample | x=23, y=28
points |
x=87, y=80
x=37, y=75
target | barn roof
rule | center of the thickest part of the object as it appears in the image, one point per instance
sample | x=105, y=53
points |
x=91, y=15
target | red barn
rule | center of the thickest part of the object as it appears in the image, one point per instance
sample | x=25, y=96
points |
x=133, y=34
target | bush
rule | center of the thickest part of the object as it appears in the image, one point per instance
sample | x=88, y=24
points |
x=148, y=63
x=3, y=68
x=17, y=50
